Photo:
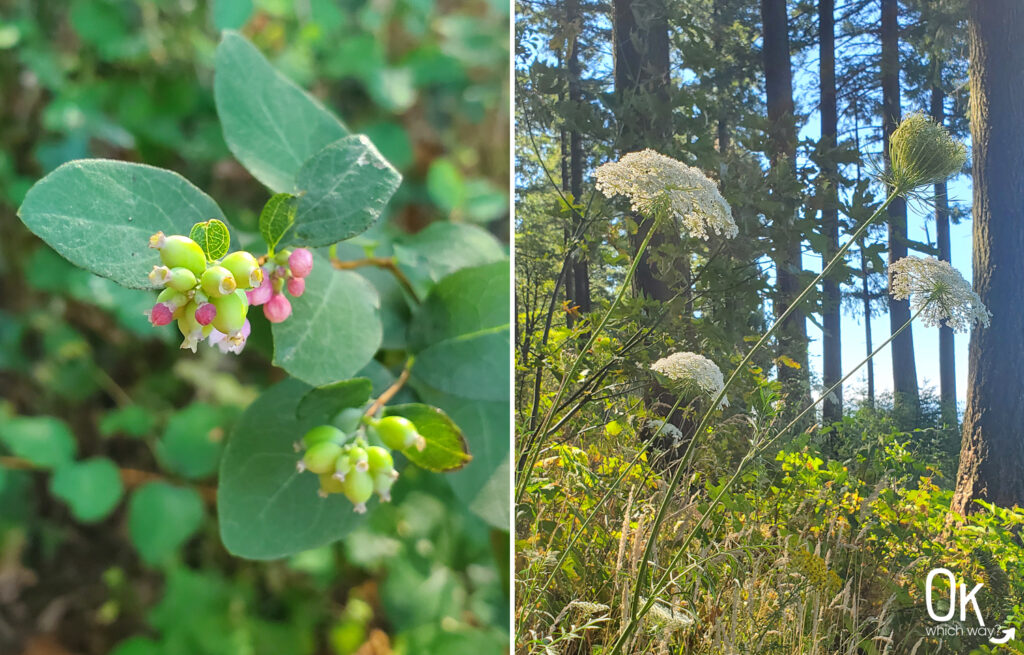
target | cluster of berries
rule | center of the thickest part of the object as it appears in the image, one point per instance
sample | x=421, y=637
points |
x=206, y=298
x=348, y=465
x=287, y=270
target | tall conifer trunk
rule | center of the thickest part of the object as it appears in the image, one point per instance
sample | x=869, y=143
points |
x=947, y=357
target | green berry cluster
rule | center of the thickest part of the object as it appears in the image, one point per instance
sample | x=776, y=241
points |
x=347, y=464
x=206, y=298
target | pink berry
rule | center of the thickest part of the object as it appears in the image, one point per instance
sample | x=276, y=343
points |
x=206, y=313
x=261, y=294
x=300, y=262
x=277, y=308
x=296, y=286
x=161, y=314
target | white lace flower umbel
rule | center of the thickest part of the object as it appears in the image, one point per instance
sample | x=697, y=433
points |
x=692, y=369
x=940, y=290
x=650, y=180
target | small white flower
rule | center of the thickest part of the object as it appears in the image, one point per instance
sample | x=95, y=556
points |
x=692, y=369
x=650, y=179
x=588, y=609
x=939, y=288
x=667, y=618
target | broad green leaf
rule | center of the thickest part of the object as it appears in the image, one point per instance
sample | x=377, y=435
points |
x=483, y=485
x=334, y=329
x=446, y=447
x=276, y=218
x=270, y=124
x=344, y=189
x=91, y=487
x=161, y=517
x=137, y=646
x=444, y=247
x=324, y=403
x=231, y=14
x=99, y=215
x=267, y=509
x=484, y=201
x=445, y=184
x=131, y=421
x=192, y=443
x=460, y=334
x=43, y=440
x=213, y=237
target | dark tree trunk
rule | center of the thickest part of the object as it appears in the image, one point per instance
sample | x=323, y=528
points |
x=642, y=86
x=904, y=369
x=947, y=357
x=581, y=264
x=567, y=236
x=992, y=454
x=792, y=335
x=832, y=349
x=868, y=347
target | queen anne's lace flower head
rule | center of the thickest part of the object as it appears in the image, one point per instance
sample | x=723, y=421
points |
x=940, y=290
x=923, y=153
x=692, y=369
x=651, y=180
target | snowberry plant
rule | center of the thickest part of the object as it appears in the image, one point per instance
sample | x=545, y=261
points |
x=396, y=345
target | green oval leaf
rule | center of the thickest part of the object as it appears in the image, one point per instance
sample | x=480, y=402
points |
x=334, y=329
x=444, y=247
x=345, y=188
x=276, y=218
x=270, y=124
x=446, y=447
x=324, y=403
x=161, y=517
x=213, y=237
x=266, y=508
x=460, y=334
x=91, y=488
x=43, y=440
x=192, y=443
x=99, y=214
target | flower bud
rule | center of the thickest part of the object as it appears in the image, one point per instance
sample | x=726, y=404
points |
x=342, y=467
x=218, y=281
x=349, y=419
x=382, y=483
x=398, y=433
x=180, y=251
x=358, y=487
x=359, y=458
x=205, y=313
x=160, y=276
x=181, y=279
x=320, y=458
x=380, y=460
x=296, y=286
x=231, y=312
x=161, y=314
x=330, y=485
x=922, y=153
x=277, y=308
x=323, y=434
x=173, y=299
x=261, y=294
x=281, y=258
x=277, y=283
x=190, y=328
x=300, y=262
x=245, y=268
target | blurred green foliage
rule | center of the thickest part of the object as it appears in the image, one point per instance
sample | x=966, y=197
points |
x=123, y=532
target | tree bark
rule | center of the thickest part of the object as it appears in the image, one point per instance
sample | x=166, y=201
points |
x=992, y=452
x=904, y=368
x=792, y=334
x=832, y=349
x=581, y=264
x=947, y=356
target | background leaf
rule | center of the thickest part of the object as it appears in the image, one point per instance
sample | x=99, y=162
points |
x=334, y=330
x=193, y=440
x=276, y=218
x=324, y=403
x=43, y=440
x=99, y=214
x=161, y=517
x=461, y=334
x=267, y=509
x=446, y=447
x=213, y=237
x=346, y=185
x=91, y=488
x=270, y=124
x=444, y=247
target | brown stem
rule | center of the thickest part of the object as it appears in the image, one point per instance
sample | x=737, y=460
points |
x=389, y=393
x=387, y=263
